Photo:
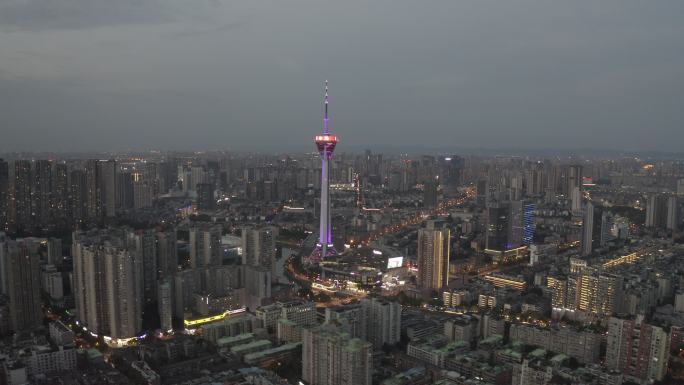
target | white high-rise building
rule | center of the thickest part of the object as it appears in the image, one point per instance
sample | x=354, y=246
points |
x=108, y=283
x=123, y=275
x=258, y=246
x=332, y=357
x=383, y=321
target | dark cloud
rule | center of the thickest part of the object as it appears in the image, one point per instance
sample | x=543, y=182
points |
x=79, y=14
x=248, y=74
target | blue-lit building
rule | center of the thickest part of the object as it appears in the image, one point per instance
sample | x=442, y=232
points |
x=521, y=227
x=529, y=226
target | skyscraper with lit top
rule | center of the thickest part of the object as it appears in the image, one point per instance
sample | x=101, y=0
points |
x=325, y=142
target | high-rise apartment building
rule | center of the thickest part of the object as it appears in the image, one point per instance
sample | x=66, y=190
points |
x=94, y=195
x=108, y=187
x=534, y=180
x=430, y=194
x=22, y=274
x=258, y=246
x=672, y=213
x=351, y=319
x=372, y=319
x=656, y=211
x=41, y=188
x=383, y=321
x=576, y=200
x=143, y=195
x=78, y=196
x=23, y=212
x=332, y=357
x=167, y=252
x=125, y=192
x=257, y=282
x=165, y=304
x=482, y=191
x=205, y=196
x=573, y=178
x=205, y=246
x=54, y=251
x=498, y=218
x=108, y=283
x=592, y=226
x=434, y=250
x=4, y=194
x=521, y=224
x=60, y=193
x=639, y=350
x=598, y=293
x=589, y=291
x=144, y=244
x=560, y=298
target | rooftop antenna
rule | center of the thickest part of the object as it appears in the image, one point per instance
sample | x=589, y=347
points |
x=326, y=120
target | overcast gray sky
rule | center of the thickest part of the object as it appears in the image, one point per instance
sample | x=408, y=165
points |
x=248, y=74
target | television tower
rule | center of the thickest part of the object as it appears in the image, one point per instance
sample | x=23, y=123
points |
x=325, y=142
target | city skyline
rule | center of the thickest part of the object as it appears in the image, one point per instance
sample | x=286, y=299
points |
x=504, y=204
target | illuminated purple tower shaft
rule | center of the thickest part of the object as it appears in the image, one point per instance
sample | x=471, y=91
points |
x=326, y=146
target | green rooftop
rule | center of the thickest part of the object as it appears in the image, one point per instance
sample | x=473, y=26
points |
x=255, y=345
x=235, y=340
x=493, y=339
x=276, y=350
x=559, y=358
x=538, y=353
x=512, y=353
x=356, y=345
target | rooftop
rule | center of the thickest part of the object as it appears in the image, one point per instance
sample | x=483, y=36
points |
x=258, y=344
x=276, y=350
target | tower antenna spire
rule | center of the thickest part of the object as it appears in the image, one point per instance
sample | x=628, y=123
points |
x=326, y=120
